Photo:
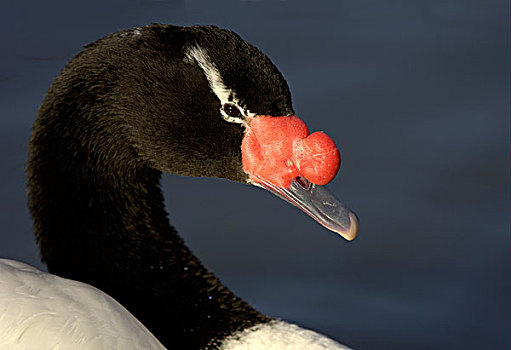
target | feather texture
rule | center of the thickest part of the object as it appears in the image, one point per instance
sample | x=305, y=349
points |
x=39, y=310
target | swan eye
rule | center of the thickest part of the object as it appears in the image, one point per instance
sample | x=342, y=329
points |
x=231, y=110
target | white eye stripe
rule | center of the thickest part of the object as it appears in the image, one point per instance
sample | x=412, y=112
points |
x=216, y=83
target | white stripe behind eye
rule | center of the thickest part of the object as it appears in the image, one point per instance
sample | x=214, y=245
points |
x=216, y=83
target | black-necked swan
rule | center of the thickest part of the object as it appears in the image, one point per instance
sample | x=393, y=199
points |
x=196, y=101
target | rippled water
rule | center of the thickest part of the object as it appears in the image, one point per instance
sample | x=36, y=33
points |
x=415, y=93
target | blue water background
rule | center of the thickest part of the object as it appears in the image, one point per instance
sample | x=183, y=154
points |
x=416, y=94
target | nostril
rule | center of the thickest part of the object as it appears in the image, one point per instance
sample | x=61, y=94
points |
x=303, y=182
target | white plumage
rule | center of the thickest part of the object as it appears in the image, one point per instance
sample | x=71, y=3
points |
x=279, y=335
x=39, y=310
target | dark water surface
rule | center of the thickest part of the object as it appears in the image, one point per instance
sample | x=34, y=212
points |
x=416, y=94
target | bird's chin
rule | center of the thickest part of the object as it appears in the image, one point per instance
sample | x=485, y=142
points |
x=317, y=202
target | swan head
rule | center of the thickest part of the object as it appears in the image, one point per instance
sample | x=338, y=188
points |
x=205, y=103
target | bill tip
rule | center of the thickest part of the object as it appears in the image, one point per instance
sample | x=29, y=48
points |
x=352, y=232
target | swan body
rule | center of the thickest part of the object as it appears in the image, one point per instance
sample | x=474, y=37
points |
x=195, y=101
x=43, y=311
